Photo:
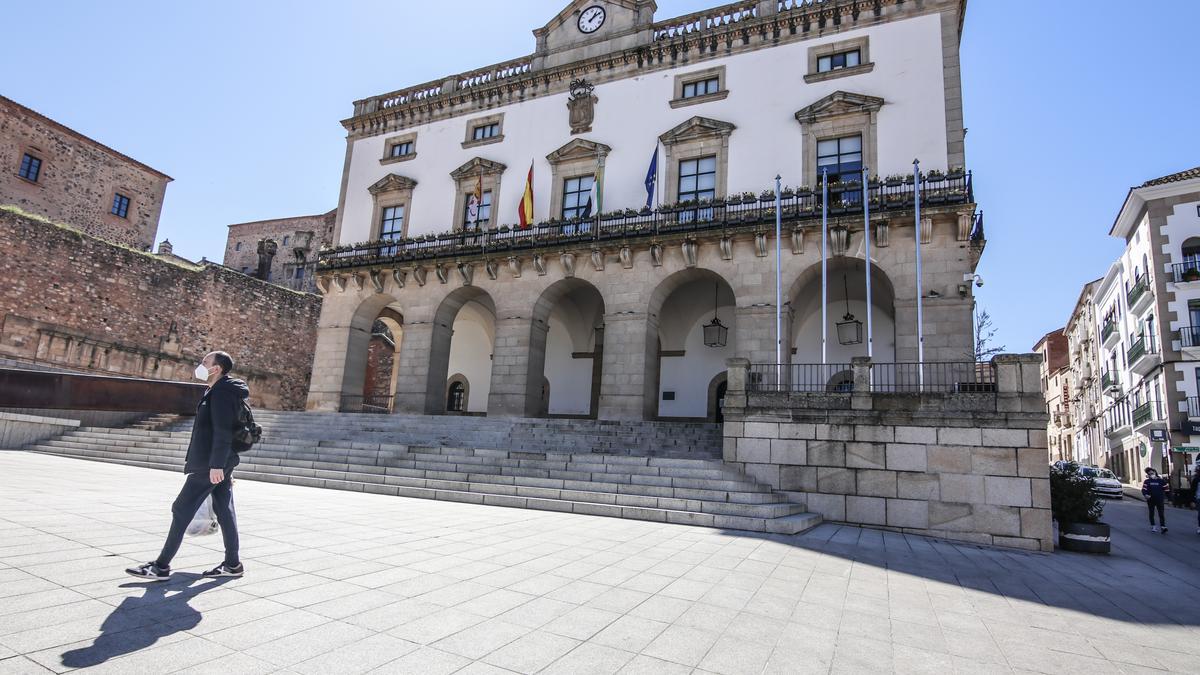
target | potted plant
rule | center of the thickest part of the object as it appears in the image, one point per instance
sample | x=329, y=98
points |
x=748, y=198
x=1077, y=509
x=956, y=172
x=788, y=193
x=935, y=175
x=767, y=196
x=803, y=191
x=1191, y=274
x=895, y=180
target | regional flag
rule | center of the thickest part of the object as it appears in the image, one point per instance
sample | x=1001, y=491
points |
x=525, y=208
x=473, y=202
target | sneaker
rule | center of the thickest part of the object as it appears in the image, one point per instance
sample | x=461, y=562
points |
x=1154, y=528
x=224, y=570
x=1164, y=530
x=149, y=571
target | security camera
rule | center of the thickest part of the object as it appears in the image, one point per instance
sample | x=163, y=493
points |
x=968, y=277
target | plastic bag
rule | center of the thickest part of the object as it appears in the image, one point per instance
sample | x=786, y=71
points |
x=204, y=522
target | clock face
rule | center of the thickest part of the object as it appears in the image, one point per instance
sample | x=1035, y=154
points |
x=591, y=19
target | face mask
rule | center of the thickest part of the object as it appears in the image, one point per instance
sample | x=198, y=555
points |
x=201, y=372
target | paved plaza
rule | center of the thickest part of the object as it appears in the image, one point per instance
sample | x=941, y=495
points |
x=350, y=582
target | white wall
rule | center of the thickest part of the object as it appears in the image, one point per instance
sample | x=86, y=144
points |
x=807, y=334
x=570, y=378
x=1181, y=225
x=689, y=376
x=471, y=353
x=766, y=89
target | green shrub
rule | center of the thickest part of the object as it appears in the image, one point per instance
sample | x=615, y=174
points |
x=1071, y=496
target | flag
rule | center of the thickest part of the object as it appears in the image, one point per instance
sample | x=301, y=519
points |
x=598, y=186
x=473, y=202
x=652, y=177
x=525, y=208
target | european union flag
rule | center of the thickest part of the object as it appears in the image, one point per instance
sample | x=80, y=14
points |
x=652, y=177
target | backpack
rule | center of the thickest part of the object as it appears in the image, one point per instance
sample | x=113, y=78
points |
x=245, y=431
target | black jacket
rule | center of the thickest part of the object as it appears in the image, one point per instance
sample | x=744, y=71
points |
x=211, y=446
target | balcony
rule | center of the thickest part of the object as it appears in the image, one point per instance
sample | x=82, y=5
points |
x=1189, y=341
x=1186, y=271
x=1109, y=335
x=1139, y=297
x=1110, y=382
x=1142, y=355
x=737, y=213
x=1148, y=416
x=1117, y=421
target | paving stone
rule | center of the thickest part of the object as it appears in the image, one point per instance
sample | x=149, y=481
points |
x=531, y=652
x=681, y=644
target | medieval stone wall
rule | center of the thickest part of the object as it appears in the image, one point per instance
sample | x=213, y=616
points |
x=77, y=179
x=295, y=247
x=380, y=359
x=80, y=302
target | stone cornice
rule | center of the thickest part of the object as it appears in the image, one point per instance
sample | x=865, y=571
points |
x=678, y=41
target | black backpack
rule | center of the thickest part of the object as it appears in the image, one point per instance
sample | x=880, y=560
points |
x=245, y=431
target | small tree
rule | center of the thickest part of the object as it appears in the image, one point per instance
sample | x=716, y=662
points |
x=985, y=333
x=1071, y=496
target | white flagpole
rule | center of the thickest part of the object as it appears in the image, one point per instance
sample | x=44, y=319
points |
x=824, y=294
x=657, y=199
x=920, y=329
x=867, y=244
x=778, y=284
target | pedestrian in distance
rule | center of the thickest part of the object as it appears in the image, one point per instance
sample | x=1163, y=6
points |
x=209, y=470
x=1156, y=490
x=1196, y=495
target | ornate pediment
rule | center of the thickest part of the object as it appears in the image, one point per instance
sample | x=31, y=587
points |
x=478, y=166
x=839, y=103
x=578, y=148
x=392, y=183
x=697, y=128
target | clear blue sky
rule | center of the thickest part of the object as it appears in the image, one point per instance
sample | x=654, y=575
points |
x=1068, y=104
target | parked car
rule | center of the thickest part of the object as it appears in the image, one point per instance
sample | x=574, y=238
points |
x=1106, y=482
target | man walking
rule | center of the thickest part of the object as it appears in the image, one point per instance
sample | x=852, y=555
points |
x=1156, y=489
x=209, y=469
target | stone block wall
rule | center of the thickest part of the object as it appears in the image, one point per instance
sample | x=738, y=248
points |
x=241, y=245
x=75, y=301
x=78, y=179
x=967, y=467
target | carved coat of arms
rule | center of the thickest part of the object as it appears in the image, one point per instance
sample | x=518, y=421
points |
x=581, y=106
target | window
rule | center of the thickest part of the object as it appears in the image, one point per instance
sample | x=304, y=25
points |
x=577, y=197
x=838, y=61
x=286, y=239
x=456, y=397
x=842, y=158
x=485, y=210
x=485, y=131
x=120, y=205
x=245, y=270
x=392, y=225
x=697, y=181
x=482, y=131
x=237, y=246
x=402, y=149
x=31, y=168
x=693, y=89
x=299, y=273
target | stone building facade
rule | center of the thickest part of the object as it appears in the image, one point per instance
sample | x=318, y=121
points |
x=1086, y=398
x=57, y=172
x=609, y=302
x=1055, y=375
x=297, y=242
x=81, y=303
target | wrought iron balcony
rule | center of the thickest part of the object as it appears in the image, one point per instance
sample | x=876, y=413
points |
x=1109, y=380
x=735, y=213
x=1109, y=329
x=1147, y=413
x=1139, y=292
x=1189, y=336
x=1117, y=418
x=1188, y=270
x=1193, y=407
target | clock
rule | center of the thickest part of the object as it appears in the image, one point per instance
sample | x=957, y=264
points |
x=591, y=19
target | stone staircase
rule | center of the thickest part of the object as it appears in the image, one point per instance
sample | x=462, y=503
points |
x=657, y=471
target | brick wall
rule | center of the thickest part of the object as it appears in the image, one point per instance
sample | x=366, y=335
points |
x=78, y=179
x=241, y=245
x=76, y=301
x=380, y=357
x=969, y=467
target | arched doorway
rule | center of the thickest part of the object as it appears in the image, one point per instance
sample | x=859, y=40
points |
x=456, y=394
x=681, y=369
x=464, y=332
x=373, y=357
x=846, y=315
x=566, y=350
x=716, y=398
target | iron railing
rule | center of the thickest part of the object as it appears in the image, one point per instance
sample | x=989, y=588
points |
x=1140, y=286
x=1109, y=380
x=1193, y=407
x=967, y=377
x=1116, y=417
x=885, y=378
x=1188, y=270
x=1110, y=327
x=1140, y=347
x=1146, y=413
x=1189, y=336
x=367, y=404
x=735, y=212
x=801, y=377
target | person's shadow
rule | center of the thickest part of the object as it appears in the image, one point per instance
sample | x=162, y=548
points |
x=139, y=622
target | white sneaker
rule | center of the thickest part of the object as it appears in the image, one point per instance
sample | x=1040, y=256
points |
x=1154, y=528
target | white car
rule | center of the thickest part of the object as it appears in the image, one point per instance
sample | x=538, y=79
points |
x=1107, y=484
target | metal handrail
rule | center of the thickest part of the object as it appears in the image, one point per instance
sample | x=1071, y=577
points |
x=965, y=377
x=375, y=403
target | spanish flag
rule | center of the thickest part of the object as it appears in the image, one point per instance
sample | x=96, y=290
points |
x=525, y=208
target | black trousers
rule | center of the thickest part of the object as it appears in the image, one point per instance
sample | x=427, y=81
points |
x=195, y=490
x=1151, y=505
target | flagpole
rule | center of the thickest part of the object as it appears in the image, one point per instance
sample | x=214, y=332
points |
x=920, y=330
x=778, y=284
x=824, y=294
x=867, y=243
x=657, y=199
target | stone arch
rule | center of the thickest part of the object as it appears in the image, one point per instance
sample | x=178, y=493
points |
x=380, y=306
x=672, y=331
x=574, y=310
x=846, y=277
x=716, y=397
x=441, y=343
x=458, y=380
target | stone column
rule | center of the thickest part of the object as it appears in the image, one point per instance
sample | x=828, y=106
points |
x=333, y=360
x=412, y=372
x=860, y=398
x=754, y=333
x=629, y=380
x=511, y=393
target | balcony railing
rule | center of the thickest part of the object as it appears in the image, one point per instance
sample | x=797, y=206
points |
x=1116, y=416
x=1188, y=270
x=1140, y=286
x=1110, y=327
x=1189, y=336
x=1146, y=413
x=734, y=213
x=1138, y=349
x=1193, y=407
x=1109, y=380
x=885, y=378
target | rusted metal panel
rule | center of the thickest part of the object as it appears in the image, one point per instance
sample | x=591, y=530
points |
x=69, y=391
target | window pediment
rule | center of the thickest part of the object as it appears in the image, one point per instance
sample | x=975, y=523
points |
x=578, y=148
x=697, y=128
x=837, y=104
x=478, y=166
x=392, y=183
